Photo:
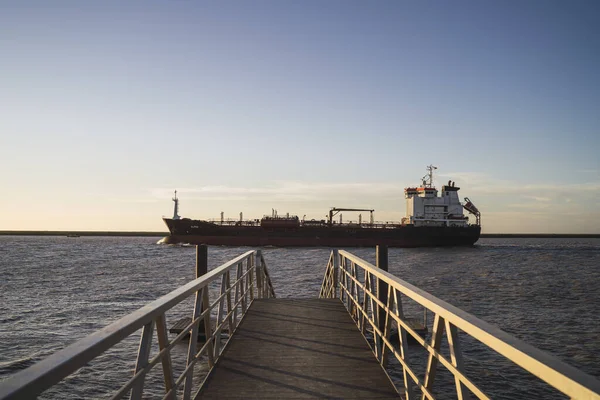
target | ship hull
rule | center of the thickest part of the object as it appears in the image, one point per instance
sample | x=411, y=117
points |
x=201, y=232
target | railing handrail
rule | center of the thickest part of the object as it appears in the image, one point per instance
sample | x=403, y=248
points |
x=47, y=372
x=549, y=368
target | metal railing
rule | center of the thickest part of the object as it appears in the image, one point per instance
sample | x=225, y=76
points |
x=373, y=297
x=235, y=296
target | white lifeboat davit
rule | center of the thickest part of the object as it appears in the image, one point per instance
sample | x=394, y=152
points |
x=470, y=207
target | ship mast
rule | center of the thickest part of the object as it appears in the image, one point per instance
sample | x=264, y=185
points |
x=428, y=179
x=176, y=208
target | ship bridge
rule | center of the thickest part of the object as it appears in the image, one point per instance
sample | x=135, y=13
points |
x=425, y=208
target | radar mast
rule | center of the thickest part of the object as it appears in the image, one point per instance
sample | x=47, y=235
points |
x=176, y=208
x=428, y=179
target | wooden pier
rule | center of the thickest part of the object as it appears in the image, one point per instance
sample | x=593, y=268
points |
x=294, y=348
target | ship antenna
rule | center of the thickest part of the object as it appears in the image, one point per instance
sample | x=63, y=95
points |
x=428, y=179
x=176, y=210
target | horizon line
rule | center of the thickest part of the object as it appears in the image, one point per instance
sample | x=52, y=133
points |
x=161, y=233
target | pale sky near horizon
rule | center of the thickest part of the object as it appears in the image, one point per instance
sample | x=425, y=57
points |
x=107, y=107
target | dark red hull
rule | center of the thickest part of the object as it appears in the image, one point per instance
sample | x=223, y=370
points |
x=201, y=232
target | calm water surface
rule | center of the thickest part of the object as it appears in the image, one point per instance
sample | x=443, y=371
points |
x=55, y=290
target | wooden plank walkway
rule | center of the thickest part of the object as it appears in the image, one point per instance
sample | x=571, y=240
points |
x=298, y=348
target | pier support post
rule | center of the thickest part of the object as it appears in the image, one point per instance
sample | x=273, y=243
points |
x=201, y=269
x=381, y=254
x=201, y=260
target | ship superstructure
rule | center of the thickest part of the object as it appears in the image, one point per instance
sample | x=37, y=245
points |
x=425, y=208
x=430, y=220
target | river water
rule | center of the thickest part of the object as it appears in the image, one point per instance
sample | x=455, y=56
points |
x=55, y=290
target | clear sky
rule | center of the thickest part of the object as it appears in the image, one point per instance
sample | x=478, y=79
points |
x=106, y=107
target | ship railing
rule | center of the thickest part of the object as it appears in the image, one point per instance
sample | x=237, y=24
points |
x=374, y=298
x=241, y=280
x=376, y=224
x=352, y=224
x=235, y=222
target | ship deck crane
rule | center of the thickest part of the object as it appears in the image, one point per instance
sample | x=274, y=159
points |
x=470, y=207
x=334, y=211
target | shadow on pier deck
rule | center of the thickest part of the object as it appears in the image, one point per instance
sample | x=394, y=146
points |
x=293, y=348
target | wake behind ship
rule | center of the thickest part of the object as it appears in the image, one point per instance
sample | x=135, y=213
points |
x=431, y=220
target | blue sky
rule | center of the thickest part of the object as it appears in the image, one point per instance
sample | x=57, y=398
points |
x=106, y=107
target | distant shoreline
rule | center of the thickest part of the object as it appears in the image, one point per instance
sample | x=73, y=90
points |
x=162, y=234
x=81, y=233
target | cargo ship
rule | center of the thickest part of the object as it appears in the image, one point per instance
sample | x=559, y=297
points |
x=432, y=219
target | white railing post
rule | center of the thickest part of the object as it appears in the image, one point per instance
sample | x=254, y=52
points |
x=232, y=323
x=142, y=360
x=408, y=383
x=236, y=296
x=163, y=342
x=365, y=305
x=220, y=309
x=381, y=254
x=260, y=278
x=336, y=264
x=436, y=342
x=331, y=283
x=387, y=329
x=187, y=388
x=373, y=315
x=241, y=282
x=325, y=286
x=347, y=283
x=353, y=293
x=208, y=328
x=250, y=277
x=268, y=285
x=457, y=360
x=342, y=279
